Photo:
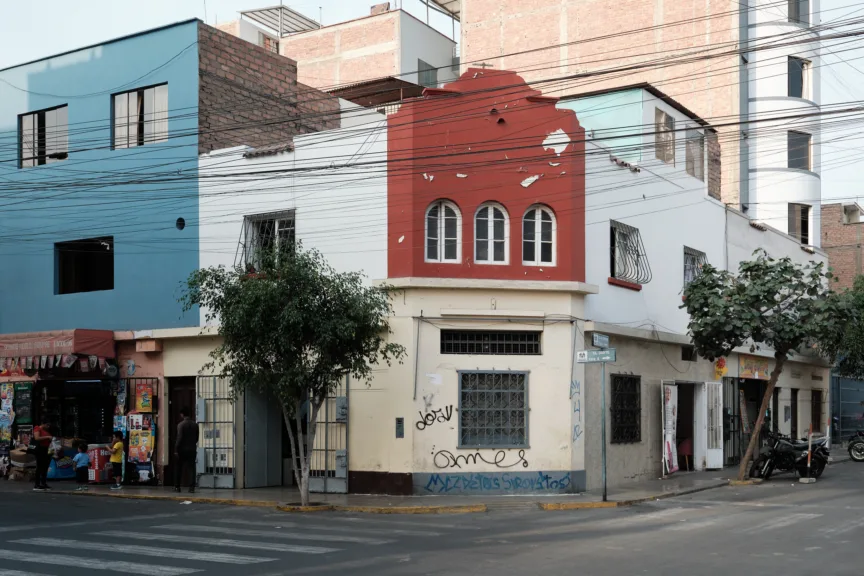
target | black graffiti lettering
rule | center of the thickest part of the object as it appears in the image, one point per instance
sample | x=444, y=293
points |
x=432, y=416
x=446, y=459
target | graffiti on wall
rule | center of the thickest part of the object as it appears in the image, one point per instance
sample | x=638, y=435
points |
x=430, y=417
x=506, y=482
x=576, y=399
x=446, y=459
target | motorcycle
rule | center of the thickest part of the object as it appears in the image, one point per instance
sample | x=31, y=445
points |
x=856, y=447
x=785, y=455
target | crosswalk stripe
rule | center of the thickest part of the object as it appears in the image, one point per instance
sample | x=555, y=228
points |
x=223, y=542
x=843, y=528
x=374, y=521
x=100, y=521
x=18, y=573
x=137, y=549
x=304, y=526
x=271, y=534
x=79, y=562
x=781, y=522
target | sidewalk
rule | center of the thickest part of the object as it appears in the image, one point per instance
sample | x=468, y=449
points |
x=287, y=499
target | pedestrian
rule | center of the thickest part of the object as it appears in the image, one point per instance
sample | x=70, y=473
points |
x=42, y=439
x=185, y=449
x=81, y=464
x=117, y=460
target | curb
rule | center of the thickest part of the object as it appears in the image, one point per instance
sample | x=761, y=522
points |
x=193, y=499
x=751, y=482
x=461, y=509
x=578, y=505
x=633, y=502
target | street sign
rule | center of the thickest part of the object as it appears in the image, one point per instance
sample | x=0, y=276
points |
x=590, y=356
x=600, y=340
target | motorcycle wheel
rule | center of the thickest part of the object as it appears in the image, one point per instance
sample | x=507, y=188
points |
x=856, y=450
x=816, y=468
x=758, y=470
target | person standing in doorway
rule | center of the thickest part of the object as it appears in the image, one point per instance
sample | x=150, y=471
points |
x=185, y=449
x=42, y=440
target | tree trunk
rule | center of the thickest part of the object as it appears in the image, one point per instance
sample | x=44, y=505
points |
x=301, y=450
x=298, y=477
x=779, y=361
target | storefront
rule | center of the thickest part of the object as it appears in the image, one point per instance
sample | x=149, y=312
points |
x=70, y=379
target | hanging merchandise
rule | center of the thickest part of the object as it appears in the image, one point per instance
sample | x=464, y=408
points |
x=144, y=396
x=85, y=365
x=7, y=393
x=120, y=424
x=23, y=402
x=67, y=361
x=43, y=362
x=142, y=436
x=121, y=398
x=58, y=359
x=102, y=365
x=50, y=362
x=5, y=428
x=22, y=439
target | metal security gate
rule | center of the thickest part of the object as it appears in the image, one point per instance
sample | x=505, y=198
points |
x=214, y=413
x=262, y=439
x=329, y=459
x=732, y=423
x=847, y=405
x=714, y=393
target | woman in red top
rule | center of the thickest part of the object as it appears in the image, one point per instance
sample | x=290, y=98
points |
x=42, y=438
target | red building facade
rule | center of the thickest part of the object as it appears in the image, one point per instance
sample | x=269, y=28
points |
x=486, y=179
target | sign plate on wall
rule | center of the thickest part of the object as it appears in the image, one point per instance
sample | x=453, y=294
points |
x=600, y=340
x=589, y=356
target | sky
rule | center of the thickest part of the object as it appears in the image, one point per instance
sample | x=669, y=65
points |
x=31, y=29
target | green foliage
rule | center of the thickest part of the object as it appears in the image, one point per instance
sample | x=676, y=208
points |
x=295, y=327
x=772, y=302
x=845, y=343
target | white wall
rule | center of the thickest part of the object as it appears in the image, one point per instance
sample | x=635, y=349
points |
x=744, y=239
x=249, y=31
x=427, y=44
x=335, y=181
x=670, y=208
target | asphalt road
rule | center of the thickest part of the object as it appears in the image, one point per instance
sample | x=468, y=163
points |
x=778, y=527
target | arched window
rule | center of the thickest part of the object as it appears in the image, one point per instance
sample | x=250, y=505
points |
x=491, y=235
x=443, y=232
x=538, y=237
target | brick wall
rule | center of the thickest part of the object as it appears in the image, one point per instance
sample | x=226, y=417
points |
x=511, y=35
x=250, y=96
x=843, y=243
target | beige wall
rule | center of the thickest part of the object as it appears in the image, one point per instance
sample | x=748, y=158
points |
x=187, y=356
x=493, y=31
x=433, y=449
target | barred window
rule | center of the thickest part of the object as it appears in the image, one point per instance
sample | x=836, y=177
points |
x=628, y=260
x=493, y=410
x=504, y=342
x=626, y=410
x=694, y=260
x=265, y=236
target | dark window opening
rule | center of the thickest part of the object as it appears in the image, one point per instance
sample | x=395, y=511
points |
x=84, y=265
x=816, y=410
x=511, y=342
x=799, y=150
x=799, y=11
x=688, y=354
x=796, y=69
x=427, y=75
x=626, y=409
x=799, y=222
x=43, y=136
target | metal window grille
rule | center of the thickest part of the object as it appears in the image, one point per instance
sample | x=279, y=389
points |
x=509, y=342
x=694, y=260
x=493, y=410
x=266, y=236
x=626, y=409
x=664, y=137
x=628, y=259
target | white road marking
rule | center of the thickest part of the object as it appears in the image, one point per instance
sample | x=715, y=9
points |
x=101, y=521
x=688, y=526
x=843, y=528
x=780, y=522
x=373, y=521
x=133, y=549
x=666, y=514
x=90, y=563
x=222, y=542
x=270, y=534
x=304, y=526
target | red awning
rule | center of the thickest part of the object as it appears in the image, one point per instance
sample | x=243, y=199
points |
x=84, y=342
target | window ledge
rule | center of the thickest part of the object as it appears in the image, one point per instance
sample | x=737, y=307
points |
x=625, y=284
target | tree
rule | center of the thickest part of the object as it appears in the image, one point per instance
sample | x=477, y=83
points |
x=771, y=302
x=293, y=330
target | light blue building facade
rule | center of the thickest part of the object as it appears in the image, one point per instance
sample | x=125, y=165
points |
x=76, y=179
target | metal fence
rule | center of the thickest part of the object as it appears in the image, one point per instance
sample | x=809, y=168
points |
x=847, y=405
x=328, y=461
x=215, y=416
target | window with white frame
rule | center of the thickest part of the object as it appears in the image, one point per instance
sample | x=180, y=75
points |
x=491, y=235
x=140, y=117
x=798, y=71
x=628, y=261
x=664, y=136
x=695, y=154
x=693, y=262
x=43, y=136
x=538, y=236
x=266, y=236
x=443, y=232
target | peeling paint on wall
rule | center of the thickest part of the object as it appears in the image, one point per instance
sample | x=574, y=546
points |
x=557, y=141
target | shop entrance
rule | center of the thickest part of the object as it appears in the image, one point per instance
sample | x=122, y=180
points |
x=697, y=435
x=181, y=394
